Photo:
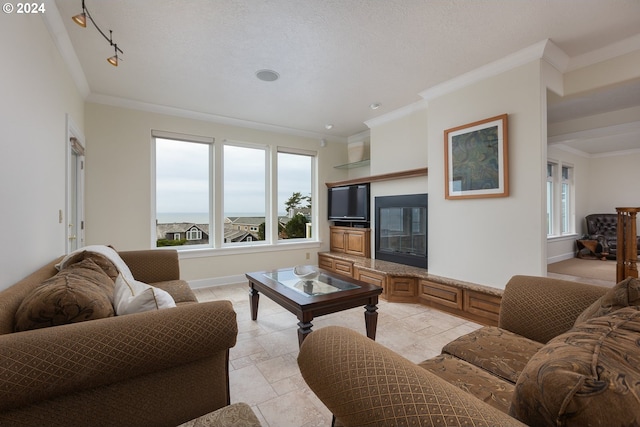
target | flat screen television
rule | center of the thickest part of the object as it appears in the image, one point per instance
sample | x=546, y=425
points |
x=349, y=203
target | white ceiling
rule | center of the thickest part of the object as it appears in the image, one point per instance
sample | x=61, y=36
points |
x=334, y=57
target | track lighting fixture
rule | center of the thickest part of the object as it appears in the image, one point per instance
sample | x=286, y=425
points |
x=81, y=19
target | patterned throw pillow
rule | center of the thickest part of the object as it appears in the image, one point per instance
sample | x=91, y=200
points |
x=587, y=376
x=76, y=294
x=624, y=294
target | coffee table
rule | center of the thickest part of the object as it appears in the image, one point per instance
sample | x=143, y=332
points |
x=307, y=299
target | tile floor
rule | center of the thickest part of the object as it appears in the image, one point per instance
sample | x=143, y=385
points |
x=263, y=368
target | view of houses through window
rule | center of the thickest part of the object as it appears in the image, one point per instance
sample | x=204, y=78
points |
x=251, y=181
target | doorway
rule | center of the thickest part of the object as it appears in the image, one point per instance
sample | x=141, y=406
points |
x=74, y=234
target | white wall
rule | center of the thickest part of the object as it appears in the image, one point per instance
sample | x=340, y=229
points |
x=37, y=93
x=118, y=184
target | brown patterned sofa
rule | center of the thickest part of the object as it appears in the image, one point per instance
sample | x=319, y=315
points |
x=155, y=368
x=564, y=354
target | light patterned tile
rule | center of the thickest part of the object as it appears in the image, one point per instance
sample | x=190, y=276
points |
x=263, y=366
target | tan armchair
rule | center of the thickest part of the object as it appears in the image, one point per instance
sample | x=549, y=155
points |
x=157, y=368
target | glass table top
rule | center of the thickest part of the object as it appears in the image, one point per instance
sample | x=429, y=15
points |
x=321, y=285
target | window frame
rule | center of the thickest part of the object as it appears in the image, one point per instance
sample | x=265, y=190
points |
x=562, y=199
x=216, y=243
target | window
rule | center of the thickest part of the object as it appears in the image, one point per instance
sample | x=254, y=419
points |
x=560, y=204
x=565, y=200
x=182, y=186
x=550, y=168
x=295, y=188
x=245, y=190
x=232, y=194
x=194, y=234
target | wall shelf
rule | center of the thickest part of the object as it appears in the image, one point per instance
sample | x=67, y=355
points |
x=384, y=177
x=352, y=165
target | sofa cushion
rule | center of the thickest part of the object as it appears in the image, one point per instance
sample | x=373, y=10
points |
x=487, y=387
x=106, y=251
x=495, y=350
x=623, y=294
x=132, y=296
x=101, y=261
x=179, y=291
x=78, y=293
x=586, y=376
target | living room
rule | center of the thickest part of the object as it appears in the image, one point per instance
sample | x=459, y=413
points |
x=52, y=88
x=117, y=135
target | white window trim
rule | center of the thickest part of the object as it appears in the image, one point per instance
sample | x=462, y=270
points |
x=217, y=246
x=557, y=182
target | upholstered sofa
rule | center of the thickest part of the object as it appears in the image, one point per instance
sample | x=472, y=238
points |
x=564, y=354
x=604, y=229
x=153, y=368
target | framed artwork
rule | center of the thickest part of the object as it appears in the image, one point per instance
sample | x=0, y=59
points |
x=475, y=159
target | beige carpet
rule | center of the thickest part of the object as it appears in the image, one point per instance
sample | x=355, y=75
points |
x=590, y=268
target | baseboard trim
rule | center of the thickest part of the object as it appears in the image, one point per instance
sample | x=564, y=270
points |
x=559, y=258
x=217, y=281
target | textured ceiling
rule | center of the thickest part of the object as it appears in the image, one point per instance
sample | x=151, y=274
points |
x=334, y=57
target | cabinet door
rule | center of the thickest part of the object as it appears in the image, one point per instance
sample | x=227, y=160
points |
x=337, y=240
x=354, y=243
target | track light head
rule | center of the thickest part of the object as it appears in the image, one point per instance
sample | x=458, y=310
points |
x=114, y=59
x=80, y=19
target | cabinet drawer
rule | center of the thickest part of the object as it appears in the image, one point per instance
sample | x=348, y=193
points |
x=343, y=267
x=372, y=278
x=325, y=262
x=482, y=305
x=449, y=296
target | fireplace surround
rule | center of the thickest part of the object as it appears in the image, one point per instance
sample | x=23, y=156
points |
x=401, y=229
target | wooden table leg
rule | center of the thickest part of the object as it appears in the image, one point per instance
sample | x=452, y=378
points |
x=304, y=329
x=371, y=320
x=254, y=298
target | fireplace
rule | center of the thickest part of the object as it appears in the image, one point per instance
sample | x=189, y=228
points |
x=401, y=229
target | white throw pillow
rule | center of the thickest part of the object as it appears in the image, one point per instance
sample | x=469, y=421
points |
x=132, y=296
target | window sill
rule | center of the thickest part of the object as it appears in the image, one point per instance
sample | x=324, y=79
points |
x=572, y=236
x=244, y=249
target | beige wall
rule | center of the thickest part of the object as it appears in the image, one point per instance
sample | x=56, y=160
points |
x=487, y=241
x=37, y=93
x=483, y=241
x=118, y=181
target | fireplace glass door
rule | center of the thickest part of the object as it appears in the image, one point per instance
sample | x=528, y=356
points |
x=403, y=231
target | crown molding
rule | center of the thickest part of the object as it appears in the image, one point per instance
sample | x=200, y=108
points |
x=621, y=129
x=206, y=117
x=397, y=114
x=544, y=49
x=611, y=51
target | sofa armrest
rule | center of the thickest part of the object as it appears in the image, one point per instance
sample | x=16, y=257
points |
x=540, y=308
x=153, y=265
x=365, y=384
x=41, y=364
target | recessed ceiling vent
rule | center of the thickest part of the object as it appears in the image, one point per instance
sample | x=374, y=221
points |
x=267, y=75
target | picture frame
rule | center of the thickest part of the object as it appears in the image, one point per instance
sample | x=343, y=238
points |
x=476, y=159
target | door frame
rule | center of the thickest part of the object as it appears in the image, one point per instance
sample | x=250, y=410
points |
x=74, y=163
